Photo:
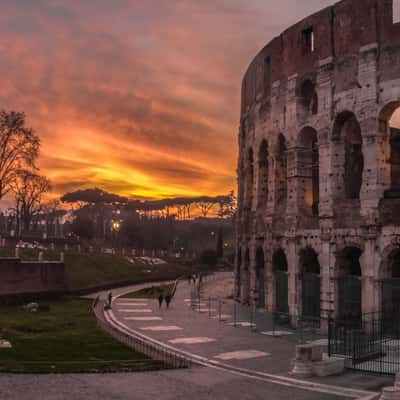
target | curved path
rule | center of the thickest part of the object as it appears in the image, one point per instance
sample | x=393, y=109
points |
x=222, y=347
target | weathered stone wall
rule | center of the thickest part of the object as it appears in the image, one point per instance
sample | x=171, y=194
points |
x=21, y=277
x=328, y=86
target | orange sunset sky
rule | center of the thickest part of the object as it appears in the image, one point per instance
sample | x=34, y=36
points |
x=138, y=97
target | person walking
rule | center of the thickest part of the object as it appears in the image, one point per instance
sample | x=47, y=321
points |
x=168, y=299
x=109, y=298
x=160, y=300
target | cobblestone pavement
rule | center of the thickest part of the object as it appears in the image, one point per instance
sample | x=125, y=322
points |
x=197, y=383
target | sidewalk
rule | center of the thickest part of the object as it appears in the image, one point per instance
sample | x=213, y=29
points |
x=199, y=333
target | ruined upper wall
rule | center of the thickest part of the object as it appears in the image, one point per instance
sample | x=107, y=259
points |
x=339, y=32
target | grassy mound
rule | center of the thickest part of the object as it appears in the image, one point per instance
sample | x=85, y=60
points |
x=92, y=271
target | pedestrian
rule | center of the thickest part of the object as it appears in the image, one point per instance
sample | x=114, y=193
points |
x=160, y=300
x=189, y=279
x=168, y=299
x=109, y=298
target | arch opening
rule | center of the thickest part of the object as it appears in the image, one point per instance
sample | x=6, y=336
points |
x=309, y=170
x=349, y=283
x=390, y=297
x=280, y=267
x=245, y=293
x=249, y=178
x=263, y=169
x=281, y=174
x=307, y=100
x=260, y=273
x=350, y=159
x=389, y=129
x=310, y=284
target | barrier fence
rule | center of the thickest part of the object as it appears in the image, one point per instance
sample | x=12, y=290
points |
x=370, y=343
x=161, y=356
x=297, y=328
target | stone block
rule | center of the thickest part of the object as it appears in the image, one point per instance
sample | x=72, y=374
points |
x=328, y=366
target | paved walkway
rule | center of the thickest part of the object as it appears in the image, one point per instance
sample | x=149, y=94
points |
x=194, y=383
x=201, y=334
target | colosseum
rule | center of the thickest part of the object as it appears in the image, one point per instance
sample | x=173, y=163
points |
x=318, y=226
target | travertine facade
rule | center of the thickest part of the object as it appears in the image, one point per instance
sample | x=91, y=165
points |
x=318, y=226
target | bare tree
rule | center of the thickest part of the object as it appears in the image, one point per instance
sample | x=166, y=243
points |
x=28, y=188
x=19, y=148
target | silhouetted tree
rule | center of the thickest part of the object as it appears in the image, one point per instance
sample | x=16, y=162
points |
x=19, y=148
x=28, y=188
x=83, y=227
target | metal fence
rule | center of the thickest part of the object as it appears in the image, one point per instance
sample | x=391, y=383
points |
x=370, y=343
x=167, y=358
x=296, y=328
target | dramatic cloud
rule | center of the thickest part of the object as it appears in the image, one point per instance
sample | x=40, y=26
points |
x=137, y=97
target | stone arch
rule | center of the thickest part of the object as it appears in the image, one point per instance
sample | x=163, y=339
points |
x=389, y=131
x=281, y=174
x=245, y=282
x=349, y=283
x=307, y=100
x=280, y=268
x=308, y=158
x=263, y=169
x=310, y=283
x=349, y=159
x=390, y=283
x=260, y=276
x=249, y=177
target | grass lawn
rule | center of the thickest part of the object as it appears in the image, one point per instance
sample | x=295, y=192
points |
x=150, y=293
x=64, y=339
x=87, y=271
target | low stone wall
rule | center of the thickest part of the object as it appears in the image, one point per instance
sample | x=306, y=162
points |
x=20, y=277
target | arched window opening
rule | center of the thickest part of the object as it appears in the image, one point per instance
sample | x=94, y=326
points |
x=280, y=266
x=260, y=272
x=309, y=169
x=249, y=178
x=389, y=127
x=308, y=100
x=310, y=283
x=246, y=278
x=347, y=135
x=391, y=290
x=263, y=169
x=281, y=174
x=349, y=283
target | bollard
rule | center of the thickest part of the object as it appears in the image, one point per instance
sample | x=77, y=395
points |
x=40, y=258
x=17, y=252
x=79, y=248
x=66, y=247
x=390, y=393
x=62, y=257
x=52, y=247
